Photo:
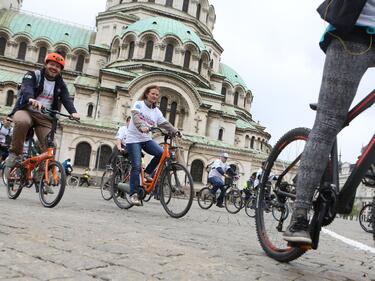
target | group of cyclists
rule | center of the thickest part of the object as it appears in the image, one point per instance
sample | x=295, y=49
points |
x=349, y=48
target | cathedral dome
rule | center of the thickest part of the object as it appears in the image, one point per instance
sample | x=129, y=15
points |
x=165, y=27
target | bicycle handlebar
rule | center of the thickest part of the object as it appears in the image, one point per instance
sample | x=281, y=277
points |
x=54, y=112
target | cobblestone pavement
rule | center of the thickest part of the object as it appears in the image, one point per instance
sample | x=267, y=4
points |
x=87, y=238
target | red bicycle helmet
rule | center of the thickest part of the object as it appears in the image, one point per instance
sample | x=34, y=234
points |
x=56, y=58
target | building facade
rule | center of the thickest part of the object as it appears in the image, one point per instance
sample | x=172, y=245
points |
x=137, y=44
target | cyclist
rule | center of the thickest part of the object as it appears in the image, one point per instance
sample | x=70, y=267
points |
x=44, y=88
x=67, y=164
x=145, y=115
x=350, y=51
x=120, y=142
x=215, y=177
x=85, y=177
x=6, y=132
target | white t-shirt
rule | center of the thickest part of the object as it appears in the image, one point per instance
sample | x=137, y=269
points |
x=4, y=132
x=150, y=117
x=46, y=98
x=121, y=134
x=218, y=163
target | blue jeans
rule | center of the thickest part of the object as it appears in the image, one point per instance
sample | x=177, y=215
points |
x=218, y=183
x=135, y=150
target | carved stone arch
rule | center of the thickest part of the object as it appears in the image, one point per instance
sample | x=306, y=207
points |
x=79, y=139
x=205, y=4
x=169, y=80
x=43, y=42
x=22, y=37
x=128, y=37
x=148, y=35
x=80, y=51
x=170, y=39
x=241, y=90
x=192, y=47
x=5, y=33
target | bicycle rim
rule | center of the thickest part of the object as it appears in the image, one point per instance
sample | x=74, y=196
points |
x=283, y=162
x=365, y=218
x=233, y=201
x=176, y=190
x=205, y=198
x=14, y=182
x=121, y=198
x=106, y=185
x=250, y=207
x=56, y=183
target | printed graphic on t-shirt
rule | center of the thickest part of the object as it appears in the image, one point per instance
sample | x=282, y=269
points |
x=46, y=98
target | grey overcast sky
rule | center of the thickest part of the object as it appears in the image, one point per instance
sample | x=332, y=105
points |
x=273, y=45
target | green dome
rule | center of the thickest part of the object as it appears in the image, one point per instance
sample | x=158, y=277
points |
x=163, y=27
x=40, y=27
x=232, y=76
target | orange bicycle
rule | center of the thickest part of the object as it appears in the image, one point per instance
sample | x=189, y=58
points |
x=49, y=177
x=172, y=181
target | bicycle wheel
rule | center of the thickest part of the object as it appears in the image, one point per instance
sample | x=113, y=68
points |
x=250, y=207
x=14, y=181
x=121, y=197
x=282, y=163
x=106, y=185
x=365, y=218
x=177, y=191
x=205, y=198
x=72, y=181
x=233, y=201
x=51, y=191
x=148, y=197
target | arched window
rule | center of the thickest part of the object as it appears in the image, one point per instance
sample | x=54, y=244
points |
x=187, y=59
x=62, y=52
x=212, y=64
x=169, y=3
x=131, y=50
x=200, y=66
x=163, y=105
x=185, y=6
x=169, y=53
x=10, y=98
x=172, y=115
x=236, y=98
x=244, y=102
x=196, y=170
x=22, y=51
x=221, y=132
x=224, y=92
x=198, y=15
x=149, y=49
x=102, y=156
x=83, y=153
x=42, y=54
x=3, y=44
x=247, y=142
x=90, y=110
x=261, y=145
x=80, y=62
x=252, y=142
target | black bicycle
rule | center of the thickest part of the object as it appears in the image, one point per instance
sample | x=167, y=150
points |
x=328, y=200
x=365, y=218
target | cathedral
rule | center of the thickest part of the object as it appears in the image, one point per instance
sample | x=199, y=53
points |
x=136, y=44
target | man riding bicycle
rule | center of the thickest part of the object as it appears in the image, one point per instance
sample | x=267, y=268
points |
x=41, y=88
x=350, y=51
x=215, y=177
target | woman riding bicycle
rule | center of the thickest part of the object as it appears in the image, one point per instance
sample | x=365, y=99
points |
x=145, y=115
x=350, y=51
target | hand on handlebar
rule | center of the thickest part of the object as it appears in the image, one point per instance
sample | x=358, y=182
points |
x=178, y=134
x=145, y=130
x=75, y=116
x=35, y=104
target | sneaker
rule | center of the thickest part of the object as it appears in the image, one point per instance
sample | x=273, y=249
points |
x=134, y=200
x=298, y=229
x=148, y=177
x=48, y=190
x=11, y=160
